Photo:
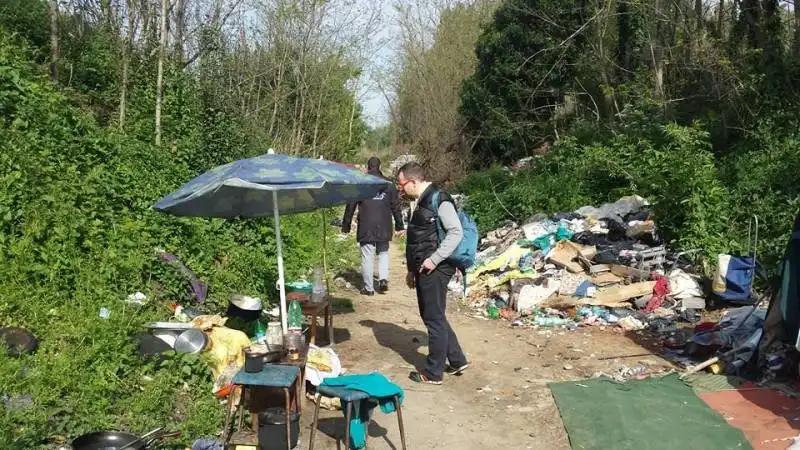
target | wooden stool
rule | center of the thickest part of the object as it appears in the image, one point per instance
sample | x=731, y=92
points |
x=272, y=376
x=347, y=396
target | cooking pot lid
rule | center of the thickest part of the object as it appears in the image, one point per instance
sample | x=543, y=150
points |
x=246, y=302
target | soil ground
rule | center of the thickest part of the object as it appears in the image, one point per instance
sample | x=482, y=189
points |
x=501, y=401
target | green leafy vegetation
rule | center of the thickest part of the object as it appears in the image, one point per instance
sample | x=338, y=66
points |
x=77, y=232
x=688, y=104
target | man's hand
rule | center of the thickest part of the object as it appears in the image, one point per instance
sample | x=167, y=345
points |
x=400, y=233
x=427, y=266
x=410, y=281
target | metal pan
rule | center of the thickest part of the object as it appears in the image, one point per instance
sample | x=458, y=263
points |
x=115, y=440
x=107, y=440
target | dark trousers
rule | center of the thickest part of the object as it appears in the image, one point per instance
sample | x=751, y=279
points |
x=442, y=341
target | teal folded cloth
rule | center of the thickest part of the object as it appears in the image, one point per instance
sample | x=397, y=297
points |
x=375, y=385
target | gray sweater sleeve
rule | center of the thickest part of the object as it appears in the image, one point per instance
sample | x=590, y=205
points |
x=453, y=232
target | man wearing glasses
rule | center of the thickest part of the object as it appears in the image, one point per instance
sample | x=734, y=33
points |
x=429, y=272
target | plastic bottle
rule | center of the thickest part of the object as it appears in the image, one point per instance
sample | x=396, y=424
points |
x=551, y=321
x=295, y=316
x=318, y=289
x=563, y=232
x=260, y=331
x=491, y=309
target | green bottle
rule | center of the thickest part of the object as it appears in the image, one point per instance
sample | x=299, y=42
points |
x=260, y=331
x=492, y=310
x=295, y=316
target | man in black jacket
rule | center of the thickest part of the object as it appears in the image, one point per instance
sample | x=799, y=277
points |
x=375, y=230
x=429, y=271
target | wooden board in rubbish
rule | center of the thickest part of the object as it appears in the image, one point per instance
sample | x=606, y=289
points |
x=617, y=294
x=629, y=272
x=613, y=297
x=566, y=254
x=599, y=268
x=605, y=279
x=563, y=303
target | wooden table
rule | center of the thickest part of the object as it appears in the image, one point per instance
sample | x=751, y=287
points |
x=314, y=310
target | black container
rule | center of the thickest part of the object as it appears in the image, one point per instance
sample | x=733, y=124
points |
x=19, y=341
x=272, y=429
x=245, y=314
x=254, y=362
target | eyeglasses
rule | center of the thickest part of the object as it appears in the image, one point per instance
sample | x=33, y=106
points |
x=403, y=185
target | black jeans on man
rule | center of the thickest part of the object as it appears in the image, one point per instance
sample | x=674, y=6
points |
x=442, y=341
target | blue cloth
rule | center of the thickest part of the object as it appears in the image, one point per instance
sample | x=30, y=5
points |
x=207, y=444
x=245, y=188
x=272, y=375
x=378, y=387
x=739, y=280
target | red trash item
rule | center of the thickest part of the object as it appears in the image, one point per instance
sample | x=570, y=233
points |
x=704, y=326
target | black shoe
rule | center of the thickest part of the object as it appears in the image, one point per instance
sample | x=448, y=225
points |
x=383, y=286
x=366, y=292
x=418, y=377
x=457, y=371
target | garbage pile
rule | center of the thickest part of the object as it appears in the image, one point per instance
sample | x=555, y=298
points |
x=596, y=266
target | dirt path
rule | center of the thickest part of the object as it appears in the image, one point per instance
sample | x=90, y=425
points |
x=502, y=401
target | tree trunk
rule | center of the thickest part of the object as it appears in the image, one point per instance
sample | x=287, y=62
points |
x=160, y=80
x=127, y=46
x=54, y=39
x=624, y=41
x=698, y=13
x=180, y=25
x=797, y=32
x=721, y=18
x=657, y=51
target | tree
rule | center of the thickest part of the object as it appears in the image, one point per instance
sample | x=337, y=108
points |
x=526, y=70
x=436, y=59
x=54, y=39
x=161, y=57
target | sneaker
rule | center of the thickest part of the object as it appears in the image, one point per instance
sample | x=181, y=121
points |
x=418, y=377
x=383, y=286
x=457, y=371
x=366, y=292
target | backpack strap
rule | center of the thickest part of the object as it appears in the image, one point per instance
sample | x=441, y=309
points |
x=439, y=226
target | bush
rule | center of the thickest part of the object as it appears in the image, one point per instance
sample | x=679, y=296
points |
x=670, y=165
x=77, y=233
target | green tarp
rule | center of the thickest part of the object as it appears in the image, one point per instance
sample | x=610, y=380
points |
x=652, y=414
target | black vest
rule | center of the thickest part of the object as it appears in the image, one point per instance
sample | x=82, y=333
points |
x=421, y=238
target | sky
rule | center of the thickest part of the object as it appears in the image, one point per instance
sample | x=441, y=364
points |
x=376, y=109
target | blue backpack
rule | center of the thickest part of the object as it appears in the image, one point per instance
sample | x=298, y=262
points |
x=463, y=256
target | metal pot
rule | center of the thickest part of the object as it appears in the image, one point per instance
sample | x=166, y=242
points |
x=18, y=340
x=242, y=306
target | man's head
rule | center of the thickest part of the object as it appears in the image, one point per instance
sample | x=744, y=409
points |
x=411, y=179
x=373, y=164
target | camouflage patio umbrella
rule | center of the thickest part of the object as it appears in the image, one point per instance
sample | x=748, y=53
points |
x=271, y=184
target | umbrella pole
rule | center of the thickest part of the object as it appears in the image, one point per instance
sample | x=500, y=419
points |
x=325, y=252
x=279, y=245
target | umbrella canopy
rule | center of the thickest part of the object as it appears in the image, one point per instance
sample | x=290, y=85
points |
x=271, y=184
x=245, y=188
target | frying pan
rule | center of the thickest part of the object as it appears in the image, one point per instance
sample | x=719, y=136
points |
x=107, y=440
x=114, y=440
